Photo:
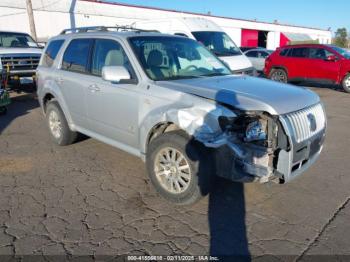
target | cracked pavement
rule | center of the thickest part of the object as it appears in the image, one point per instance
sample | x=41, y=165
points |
x=92, y=199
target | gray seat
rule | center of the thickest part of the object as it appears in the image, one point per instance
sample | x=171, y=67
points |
x=115, y=58
x=154, y=63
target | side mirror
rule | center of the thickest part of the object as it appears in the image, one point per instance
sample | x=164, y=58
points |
x=331, y=58
x=115, y=73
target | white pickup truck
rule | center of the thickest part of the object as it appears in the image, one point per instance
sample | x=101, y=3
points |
x=19, y=57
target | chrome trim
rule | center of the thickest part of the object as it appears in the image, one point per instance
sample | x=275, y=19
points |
x=300, y=123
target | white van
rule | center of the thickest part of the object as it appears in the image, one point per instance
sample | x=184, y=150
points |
x=206, y=32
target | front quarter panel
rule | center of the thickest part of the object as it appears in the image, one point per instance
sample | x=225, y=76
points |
x=197, y=116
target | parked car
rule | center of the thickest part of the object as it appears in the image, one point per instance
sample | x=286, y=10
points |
x=171, y=102
x=257, y=57
x=312, y=62
x=209, y=34
x=247, y=48
x=19, y=57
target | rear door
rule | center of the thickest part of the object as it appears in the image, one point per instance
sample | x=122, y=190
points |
x=72, y=79
x=297, y=63
x=320, y=68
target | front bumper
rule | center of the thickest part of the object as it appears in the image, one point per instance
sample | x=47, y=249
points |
x=249, y=163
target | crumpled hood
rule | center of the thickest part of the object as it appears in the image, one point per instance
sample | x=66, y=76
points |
x=15, y=50
x=247, y=93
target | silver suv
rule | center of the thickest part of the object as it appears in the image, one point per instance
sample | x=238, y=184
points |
x=170, y=101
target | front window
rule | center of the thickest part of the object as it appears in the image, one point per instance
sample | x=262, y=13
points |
x=217, y=42
x=341, y=51
x=8, y=40
x=166, y=58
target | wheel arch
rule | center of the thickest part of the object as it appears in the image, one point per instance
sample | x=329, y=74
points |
x=161, y=128
x=279, y=67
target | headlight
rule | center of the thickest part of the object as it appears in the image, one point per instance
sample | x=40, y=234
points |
x=256, y=130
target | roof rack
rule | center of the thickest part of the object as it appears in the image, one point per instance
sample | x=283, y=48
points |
x=104, y=29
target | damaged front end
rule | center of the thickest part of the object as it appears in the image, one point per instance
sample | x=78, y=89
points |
x=255, y=146
x=246, y=149
x=259, y=147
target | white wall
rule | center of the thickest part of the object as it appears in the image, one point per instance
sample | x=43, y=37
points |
x=52, y=16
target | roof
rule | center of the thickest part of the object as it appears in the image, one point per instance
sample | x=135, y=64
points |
x=194, y=13
x=124, y=34
x=304, y=45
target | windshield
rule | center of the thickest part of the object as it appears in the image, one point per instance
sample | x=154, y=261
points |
x=167, y=58
x=8, y=39
x=218, y=42
x=341, y=51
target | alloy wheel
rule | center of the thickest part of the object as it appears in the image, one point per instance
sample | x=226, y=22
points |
x=279, y=76
x=172, y=170
x=55, y=124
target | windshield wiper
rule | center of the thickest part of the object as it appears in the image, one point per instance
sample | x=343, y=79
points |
x=215, y=74
x=177, y=77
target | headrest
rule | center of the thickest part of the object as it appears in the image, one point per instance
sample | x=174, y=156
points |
x=114, y=58
x=155, y=58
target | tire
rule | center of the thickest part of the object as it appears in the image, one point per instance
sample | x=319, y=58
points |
x=346, y=83
x=195, y=180
x=58, y=127
x=279, y=75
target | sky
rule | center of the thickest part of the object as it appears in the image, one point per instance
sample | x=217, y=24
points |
x=312, y=13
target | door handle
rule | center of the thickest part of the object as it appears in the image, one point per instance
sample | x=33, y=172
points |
x=94, y=88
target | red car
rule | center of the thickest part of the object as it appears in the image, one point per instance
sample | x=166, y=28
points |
x=310, y=62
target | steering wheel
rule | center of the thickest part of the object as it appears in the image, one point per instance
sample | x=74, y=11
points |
x=189, y=67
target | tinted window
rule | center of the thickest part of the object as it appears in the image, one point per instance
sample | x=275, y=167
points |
x=252, y=54
x=284, y=52
x=51, y=52
x=319, y=53
x=108, y=53
x=262, y=54
x=76, y=56
x=298, y=52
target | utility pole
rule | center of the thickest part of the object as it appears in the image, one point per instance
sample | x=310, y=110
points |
x=31, y=19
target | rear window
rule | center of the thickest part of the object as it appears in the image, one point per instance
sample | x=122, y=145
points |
x=76, y=56
x=51, y=52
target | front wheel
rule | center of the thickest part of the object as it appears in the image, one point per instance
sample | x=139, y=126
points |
x=279, y=75
x=178, y=168
x=346, y=83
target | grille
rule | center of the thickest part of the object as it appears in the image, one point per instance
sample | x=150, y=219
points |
x=20, y=62
x=307, y=122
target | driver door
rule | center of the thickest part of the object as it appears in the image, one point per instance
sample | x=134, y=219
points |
x=112, y=108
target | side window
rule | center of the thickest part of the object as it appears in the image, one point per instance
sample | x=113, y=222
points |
x=109, y=53
x=284, y=52
x=319, y=53
x=76, y=56
x=252, y=54
x=298, y=52
x=263, y=54
x=51, y=52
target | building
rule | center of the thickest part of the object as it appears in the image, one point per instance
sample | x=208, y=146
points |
x=52, y=16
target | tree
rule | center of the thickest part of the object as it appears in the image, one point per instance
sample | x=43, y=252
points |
x=341, y=37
